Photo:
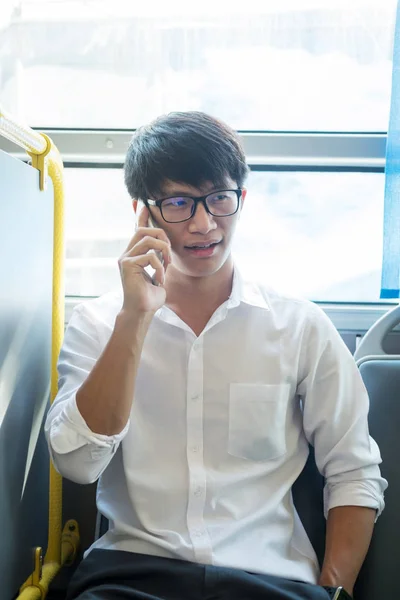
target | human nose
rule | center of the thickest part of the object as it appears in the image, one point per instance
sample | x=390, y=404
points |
x=202, y=221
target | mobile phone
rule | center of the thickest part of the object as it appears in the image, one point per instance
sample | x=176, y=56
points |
x=149, y=269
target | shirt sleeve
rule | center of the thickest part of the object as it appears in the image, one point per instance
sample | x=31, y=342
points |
x=77, y=452
x=335, y=416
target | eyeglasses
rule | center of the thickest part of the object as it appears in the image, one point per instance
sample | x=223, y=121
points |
x=177, y=209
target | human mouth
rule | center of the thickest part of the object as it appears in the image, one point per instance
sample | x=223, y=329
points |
x=202, y=249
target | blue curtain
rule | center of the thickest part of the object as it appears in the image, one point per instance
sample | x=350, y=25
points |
x=390, y=285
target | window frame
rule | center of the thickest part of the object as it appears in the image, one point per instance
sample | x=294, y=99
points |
x=265, y=151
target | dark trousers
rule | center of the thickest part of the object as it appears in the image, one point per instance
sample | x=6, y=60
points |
x=118, y=575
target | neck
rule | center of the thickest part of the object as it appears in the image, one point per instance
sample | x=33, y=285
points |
x=198, y=294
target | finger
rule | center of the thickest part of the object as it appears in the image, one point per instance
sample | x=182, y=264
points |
x=150, y=243
x=146, y=260
x=145, y=222
x=152, y=260
x=147, y=231
x=143, y=218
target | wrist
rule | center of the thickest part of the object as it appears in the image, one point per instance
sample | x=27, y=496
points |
x=132, y=314
x=329, y=577
x=326, y=581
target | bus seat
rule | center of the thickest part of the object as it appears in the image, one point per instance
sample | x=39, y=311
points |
x=308, y=500
x=381, y=374
x=26, y=224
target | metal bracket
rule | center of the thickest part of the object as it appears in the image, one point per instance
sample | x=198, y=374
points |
x=39, y=161
x=35, y=577
x=69, y=542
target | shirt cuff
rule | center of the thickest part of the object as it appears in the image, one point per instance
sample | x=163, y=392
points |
x=354, y=493
x=69, y=431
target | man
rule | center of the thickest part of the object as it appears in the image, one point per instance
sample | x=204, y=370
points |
x=193, y=400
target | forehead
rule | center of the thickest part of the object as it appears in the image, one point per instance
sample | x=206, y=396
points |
x=176, y=188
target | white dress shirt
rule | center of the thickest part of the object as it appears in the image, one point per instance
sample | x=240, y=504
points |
x=219, y=431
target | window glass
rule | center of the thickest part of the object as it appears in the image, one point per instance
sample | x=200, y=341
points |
x=317, y=235
x=99, y=222
x=276, y=65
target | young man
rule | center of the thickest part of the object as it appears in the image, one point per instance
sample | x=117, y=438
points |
x=194, y=401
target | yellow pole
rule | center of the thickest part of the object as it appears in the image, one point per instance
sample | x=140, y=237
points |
x=61, y=547
x=55, y=172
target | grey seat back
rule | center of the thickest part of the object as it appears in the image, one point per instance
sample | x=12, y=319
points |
x=308, y=500
x=380, y=573
x=381, y=375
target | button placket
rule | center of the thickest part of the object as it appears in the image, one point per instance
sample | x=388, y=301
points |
x=197, y=479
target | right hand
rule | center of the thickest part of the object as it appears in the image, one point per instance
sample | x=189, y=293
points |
x=140, y=294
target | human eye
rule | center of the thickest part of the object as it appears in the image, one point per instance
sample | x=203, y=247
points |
x=220, y=196
x=178, y=202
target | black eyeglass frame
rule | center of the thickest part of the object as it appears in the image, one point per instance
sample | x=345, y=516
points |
x=196, y=201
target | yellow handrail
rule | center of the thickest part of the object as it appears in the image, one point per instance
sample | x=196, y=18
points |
x=46, y=158
x=22, y=135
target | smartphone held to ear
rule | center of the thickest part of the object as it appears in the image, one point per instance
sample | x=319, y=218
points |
x=149, y=269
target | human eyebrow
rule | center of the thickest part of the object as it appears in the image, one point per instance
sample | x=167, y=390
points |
x=177, y=193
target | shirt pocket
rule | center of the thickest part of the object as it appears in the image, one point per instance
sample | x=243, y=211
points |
x=257, y=419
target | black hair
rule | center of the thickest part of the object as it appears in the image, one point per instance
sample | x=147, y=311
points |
x=185, y=147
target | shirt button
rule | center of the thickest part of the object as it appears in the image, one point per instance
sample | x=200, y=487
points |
x=198, y=491
x=195, y=449
x=197, y=533
x=195, y=397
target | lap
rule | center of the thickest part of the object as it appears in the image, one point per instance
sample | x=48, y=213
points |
x=118, y=575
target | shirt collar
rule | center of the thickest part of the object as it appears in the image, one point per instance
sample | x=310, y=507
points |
x=246, y=292
x=242, y=291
